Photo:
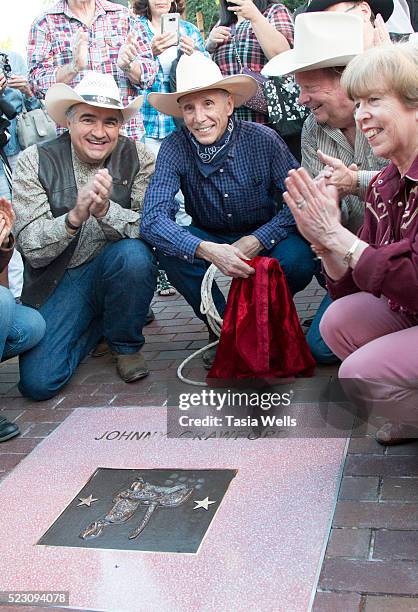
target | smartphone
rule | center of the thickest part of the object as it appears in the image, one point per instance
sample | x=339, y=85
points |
x=170, y=23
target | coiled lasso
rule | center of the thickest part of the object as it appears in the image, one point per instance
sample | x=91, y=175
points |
x=208, y=308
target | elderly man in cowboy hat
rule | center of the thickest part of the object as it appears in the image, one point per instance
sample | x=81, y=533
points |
x=331, y=144
x=78, y=202
x=228, y=171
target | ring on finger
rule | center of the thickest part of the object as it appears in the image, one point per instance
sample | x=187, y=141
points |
x=301, y=204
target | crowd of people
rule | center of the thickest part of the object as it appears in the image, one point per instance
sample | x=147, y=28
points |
x=162, y=165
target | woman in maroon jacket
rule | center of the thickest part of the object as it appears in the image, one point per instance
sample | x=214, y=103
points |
x=20, y=327
x=373, y=323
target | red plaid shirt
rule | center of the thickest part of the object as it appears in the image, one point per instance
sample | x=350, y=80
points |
x=250, y=52
x=50, y=44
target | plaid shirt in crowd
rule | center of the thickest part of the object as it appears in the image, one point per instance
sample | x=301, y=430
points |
x=158, y=125
x=250, y=52
x=50, y=46
x=237, y=199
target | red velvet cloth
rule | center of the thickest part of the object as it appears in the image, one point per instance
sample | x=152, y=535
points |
x=261, y=334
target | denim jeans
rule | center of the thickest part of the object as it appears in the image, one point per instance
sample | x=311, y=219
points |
x=293, y=253
x=108, y=296
x=21, y=327
x=319, y=349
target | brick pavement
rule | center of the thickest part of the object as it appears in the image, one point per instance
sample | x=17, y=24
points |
x=371, y=562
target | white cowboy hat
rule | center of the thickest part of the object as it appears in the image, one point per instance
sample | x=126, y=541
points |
x=95, y=89
x=196, y=72
x=382, y=7
x=321, y=40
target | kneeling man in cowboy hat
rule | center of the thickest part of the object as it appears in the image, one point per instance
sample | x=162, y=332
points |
x=228, y=171
x=332, y=146
x=78, y=202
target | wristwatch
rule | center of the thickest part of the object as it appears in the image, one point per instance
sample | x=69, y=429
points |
x=70, y=225
x=348, y=256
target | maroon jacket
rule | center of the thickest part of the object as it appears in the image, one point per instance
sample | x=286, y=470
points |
x=389, y=266
x=6, y=254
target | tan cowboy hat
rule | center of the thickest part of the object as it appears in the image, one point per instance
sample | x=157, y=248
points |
x=321, y=40
x=95, y=89
x=196, y=72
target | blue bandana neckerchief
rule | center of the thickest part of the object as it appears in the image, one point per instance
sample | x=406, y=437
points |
x=211, y=157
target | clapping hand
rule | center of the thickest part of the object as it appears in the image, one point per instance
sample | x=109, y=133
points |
x=93, y=199
x=80, y=50
x=314, y=206
x=336, y=173
x=128, y=53
x=7, y=218
x=380, y=34
x=101, y=189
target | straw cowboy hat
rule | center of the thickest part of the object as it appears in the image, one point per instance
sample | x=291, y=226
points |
x=384, y=7
x=95, y=89
x=196, y=72
x=321, y=40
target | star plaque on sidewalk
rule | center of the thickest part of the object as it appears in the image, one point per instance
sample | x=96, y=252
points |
x=142, y=509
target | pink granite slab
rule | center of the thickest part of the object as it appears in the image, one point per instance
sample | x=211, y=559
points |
x=261, y=552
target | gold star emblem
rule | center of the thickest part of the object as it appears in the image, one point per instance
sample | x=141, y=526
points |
x=203, y=503
x=86, y=501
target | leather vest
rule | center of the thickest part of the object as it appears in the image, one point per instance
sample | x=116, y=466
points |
x=56, y=174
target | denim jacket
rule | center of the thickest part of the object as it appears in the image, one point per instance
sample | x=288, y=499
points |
x=18, y=100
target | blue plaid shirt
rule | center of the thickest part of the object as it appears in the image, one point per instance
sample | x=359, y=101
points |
x=236, y=199
x=158, y=125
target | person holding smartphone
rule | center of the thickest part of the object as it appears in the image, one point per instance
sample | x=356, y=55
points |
x=168, y=36
x=248, y=34
x=166, y=40
x=17, y=93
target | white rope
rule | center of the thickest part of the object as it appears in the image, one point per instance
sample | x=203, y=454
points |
x=208, y=308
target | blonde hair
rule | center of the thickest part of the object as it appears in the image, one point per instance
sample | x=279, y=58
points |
x=385, y=68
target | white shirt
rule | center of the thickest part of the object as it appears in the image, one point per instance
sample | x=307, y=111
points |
x=400, y=20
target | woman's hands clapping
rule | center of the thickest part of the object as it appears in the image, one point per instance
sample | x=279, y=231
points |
x=314, y=206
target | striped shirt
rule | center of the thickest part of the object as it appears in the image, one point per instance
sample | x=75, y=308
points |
x=50, y=46
x=332, y=141
x=250, y=51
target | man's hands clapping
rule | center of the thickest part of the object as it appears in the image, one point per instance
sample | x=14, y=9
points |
x=80, y=50
x=93, y=199
x=128, y=53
